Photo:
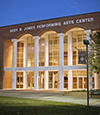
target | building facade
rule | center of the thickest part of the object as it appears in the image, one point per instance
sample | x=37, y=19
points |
x=44, y=54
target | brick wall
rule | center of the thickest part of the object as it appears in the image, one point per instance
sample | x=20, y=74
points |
x=7, y=59
x=1, y=62
x=7, y=62
x=7, y=80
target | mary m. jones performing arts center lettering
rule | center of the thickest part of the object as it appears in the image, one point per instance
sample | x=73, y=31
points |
x=64, y=23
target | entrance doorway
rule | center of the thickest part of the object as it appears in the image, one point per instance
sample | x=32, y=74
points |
x=41, y=80
x=19, y=79
x=53, y=80
x=82, y=82
x=30, y=80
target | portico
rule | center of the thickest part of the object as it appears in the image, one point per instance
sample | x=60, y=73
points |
x=46, y=69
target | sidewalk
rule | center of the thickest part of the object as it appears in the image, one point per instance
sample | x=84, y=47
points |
x=49, y=95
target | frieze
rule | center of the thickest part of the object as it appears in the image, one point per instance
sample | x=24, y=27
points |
x=56, y=24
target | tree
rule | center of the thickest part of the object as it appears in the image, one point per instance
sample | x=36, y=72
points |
x=94, y=55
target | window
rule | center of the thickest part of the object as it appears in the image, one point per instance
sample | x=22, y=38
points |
x=77, y=41
x=41, y=80
x=19, y=79
x=65, y=79
x=20, y=53
x=78, y=79
x=53, y=50
x=53, y=79
x=65, y=50
x=30, y=80
x=41, y=51
x=30, y=51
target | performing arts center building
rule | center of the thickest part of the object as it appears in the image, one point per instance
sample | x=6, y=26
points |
x=43, y=55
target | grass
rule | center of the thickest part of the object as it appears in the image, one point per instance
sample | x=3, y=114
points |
x=20, y=106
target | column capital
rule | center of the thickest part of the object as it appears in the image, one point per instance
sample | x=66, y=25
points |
x=88, y=32
x=36, y=37
x=14, y=40
x=61, y=35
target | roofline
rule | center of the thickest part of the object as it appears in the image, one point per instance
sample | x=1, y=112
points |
x=48, y=19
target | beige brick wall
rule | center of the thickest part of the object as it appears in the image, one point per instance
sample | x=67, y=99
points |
x=7, y=80
x=7, y=53
x=7, y=76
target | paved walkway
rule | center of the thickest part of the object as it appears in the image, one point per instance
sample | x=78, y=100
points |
x=49, y=95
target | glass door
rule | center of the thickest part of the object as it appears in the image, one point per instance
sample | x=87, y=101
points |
x=19, y=79
x=53, y=80
x=41, y=80
x=85, y=83
x=55, y=83
x=82, y=82
x=30, y=80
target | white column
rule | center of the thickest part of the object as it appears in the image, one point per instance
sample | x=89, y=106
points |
x=61, y=57
x=46, y=62
x=70, y=80
x=97, y=81
x=25, y=65
x=88, y=32
x=25, y=53
x=70, y=49
x=24, y=80
x=46, y=79
x=36, y=59
x=70, y=58
x=14, y=63
x=46, y=50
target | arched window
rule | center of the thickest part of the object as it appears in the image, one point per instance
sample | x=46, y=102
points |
x=77, y=43
x=53, y=49
x=30, y=51
x=41, y=52
x=66, y=50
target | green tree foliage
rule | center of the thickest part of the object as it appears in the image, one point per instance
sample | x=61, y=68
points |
x=94, y=56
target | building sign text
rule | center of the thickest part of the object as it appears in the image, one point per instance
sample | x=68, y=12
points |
x=48, y=25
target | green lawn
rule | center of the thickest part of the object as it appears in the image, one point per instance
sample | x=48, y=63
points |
x=20, y=106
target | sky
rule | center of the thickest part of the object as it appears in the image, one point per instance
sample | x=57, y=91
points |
x=22, y=11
